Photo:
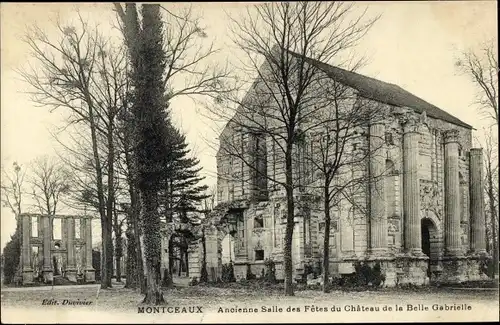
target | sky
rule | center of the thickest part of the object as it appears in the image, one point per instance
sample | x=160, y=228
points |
x=414, y=45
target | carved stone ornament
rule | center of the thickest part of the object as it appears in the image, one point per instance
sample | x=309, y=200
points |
x=258, y=231
x=430, y=195
x=410, y=121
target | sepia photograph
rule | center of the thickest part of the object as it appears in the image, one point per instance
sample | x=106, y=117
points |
x=249, y=162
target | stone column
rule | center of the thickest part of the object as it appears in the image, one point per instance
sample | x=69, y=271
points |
x=89, y=269
x=452, y=195
x=411, y=191
x=478, y=222
x=27, y=270
x=70, y=242
x=378, y=215
x=47, y=247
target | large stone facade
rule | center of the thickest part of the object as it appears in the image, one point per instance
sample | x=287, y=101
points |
x=420, y=214
x=55, y=246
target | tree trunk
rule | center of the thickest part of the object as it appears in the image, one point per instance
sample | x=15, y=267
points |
x=105, y=283
x=493, y=216
x=135, y=211
x=151, y=226
x=118, y=256
x=141, y=258
x=131, y=276
x=287, y=254
x=326, y=243
x=171, y=255
x=187, y=263
x=204, y=272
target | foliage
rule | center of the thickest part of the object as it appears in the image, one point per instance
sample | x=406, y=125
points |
x=250, y=276
x=11, y=255
x=167, y=281
x=181, y=192
x=150, y=118
x=227, y=274
x=194, y=281
x=270, y=270
x=204, y=273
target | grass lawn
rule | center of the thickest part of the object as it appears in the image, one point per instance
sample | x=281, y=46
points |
x=119, y=304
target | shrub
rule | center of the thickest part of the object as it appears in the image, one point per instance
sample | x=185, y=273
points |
x=167, y=279
x=270, y=273
x=228, y=273
x=11, y=255
x=365, y=275
x=250, y=275
x=194, y=281
x=204, y=273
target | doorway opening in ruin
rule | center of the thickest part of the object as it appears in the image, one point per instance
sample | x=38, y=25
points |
x=429, y=242
x=227, y=246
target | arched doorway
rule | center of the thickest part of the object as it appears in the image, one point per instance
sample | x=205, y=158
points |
x=430, y=247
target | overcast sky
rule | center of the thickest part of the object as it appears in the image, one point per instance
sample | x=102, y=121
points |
x=413, y=45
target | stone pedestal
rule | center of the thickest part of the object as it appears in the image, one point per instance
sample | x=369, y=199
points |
x=454, y=270
x=412, y=270
x=452, y=195
x=48, y=275
x=240, y=270
x=27, y=276
x=71, y=274
x=90, y=276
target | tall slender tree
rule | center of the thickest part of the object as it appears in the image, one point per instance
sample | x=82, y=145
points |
x=150, y=120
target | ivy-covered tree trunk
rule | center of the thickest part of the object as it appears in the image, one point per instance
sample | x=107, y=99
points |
x=204, y=272
x=151, y=226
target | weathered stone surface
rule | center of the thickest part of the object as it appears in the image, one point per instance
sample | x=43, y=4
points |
x=381, y=222
x=63, y=248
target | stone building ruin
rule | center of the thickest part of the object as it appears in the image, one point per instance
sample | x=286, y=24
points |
x=423, y=221
x=56, y=246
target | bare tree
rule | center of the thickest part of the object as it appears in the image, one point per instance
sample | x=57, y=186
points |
x=334, y=157
x=50, y=182
x=281, y=42
x=491, y=188
x=482, y=67
x=13, y=188
x=79, y=72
